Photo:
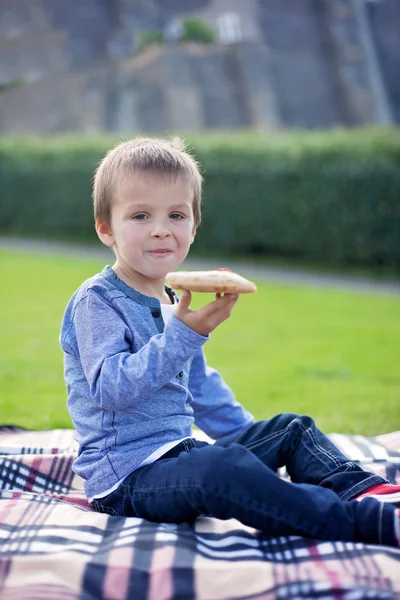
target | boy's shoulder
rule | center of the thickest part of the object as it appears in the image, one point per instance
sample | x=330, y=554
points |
x=100, y=284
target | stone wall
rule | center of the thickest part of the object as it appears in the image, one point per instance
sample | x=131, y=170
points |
x=302, y=63
x=29, y=59
x=20, y=17
x=385, y=25
x=193, y=87
x=348, y=63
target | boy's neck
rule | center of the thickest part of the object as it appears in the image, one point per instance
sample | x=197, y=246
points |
x=154, y=288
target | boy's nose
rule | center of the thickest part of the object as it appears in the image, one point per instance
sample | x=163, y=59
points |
x=160, y=232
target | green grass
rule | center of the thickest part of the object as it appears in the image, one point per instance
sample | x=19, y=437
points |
x=331, y=354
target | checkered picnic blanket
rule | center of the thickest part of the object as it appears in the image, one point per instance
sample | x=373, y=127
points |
x=53, y=546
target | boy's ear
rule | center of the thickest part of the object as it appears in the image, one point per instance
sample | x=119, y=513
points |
x=104, y=233
x=193, y=234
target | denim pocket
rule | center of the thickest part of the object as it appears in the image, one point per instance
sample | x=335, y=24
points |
x=99, y=507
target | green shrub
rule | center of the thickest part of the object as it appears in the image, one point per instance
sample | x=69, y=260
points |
x=147, y=38
x=331, y=197
x=196, y=30
x=193, y=30
x=5, y=86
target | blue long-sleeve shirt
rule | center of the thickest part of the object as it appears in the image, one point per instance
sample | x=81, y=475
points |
x=134, y=384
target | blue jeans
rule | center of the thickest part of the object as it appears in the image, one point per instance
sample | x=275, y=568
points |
x=236, y=478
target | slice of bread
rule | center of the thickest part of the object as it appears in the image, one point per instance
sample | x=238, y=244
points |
x=210, y=281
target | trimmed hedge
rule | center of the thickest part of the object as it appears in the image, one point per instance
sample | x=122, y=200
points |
x=330, y=197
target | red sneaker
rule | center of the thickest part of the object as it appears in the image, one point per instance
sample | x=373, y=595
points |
x=385, y=492
x=397, y=527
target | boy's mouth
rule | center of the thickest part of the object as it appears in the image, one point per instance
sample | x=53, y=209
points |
x=160, y=252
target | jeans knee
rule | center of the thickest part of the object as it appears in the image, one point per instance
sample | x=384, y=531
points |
x=222, y=464
x=305, y=421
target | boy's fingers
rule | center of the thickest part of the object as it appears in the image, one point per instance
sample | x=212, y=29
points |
x=227, y=298
x=185, y=299
x=220, y=304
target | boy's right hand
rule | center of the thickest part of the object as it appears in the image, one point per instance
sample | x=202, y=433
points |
x=204, y=320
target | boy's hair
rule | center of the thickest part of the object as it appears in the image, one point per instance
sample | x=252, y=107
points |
x=150, y=156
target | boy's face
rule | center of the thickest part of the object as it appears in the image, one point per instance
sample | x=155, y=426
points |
x=152, y=225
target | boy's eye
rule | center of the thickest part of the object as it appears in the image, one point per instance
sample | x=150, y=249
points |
x=176, y=216
x=140, y=217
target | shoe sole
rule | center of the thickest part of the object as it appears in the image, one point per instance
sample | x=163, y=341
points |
x=387, y=498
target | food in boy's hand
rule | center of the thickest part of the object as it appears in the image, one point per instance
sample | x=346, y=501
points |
x=211, y=281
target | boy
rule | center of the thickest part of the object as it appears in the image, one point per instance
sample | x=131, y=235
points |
x=137, y=380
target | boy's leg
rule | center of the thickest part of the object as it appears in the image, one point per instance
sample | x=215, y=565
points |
x=231, y=482
x=295, y=441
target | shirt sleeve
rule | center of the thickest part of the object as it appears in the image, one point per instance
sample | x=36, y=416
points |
x=216, y=410
x=116, y=376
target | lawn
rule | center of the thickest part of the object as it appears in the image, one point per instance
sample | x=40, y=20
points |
x=332, y=354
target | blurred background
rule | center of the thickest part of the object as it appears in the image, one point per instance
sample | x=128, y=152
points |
x=293, y=105
x=154, y=65
x=292, y=108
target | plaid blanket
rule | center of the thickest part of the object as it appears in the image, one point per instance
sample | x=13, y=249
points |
x=53, y=546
